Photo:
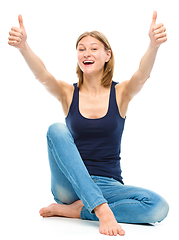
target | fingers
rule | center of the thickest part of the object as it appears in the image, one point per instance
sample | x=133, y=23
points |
x=12, y=38
x=157, y=26
x=159, y=33
x=16, y=29
x=161, y=40
x=159, y=30
x=15, y=36
x=21, y=21
x=154, y=18
x=13, y=43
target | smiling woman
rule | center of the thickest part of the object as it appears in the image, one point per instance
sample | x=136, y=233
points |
x=101, y=43
x=84, y=154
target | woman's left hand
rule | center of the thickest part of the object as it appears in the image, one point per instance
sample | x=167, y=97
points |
x=157, y=32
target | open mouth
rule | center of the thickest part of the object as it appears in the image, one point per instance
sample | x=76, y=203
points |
x=88, y=62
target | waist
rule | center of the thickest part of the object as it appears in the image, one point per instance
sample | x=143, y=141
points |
x=111, y=169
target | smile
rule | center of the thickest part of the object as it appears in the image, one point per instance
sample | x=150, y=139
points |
x=88, y=62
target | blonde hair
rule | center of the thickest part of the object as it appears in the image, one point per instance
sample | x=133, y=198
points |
x=108, y=67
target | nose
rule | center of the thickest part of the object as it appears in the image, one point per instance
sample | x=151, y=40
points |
x=87, y=53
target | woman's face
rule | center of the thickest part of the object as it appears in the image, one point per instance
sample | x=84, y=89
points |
x=92, y=55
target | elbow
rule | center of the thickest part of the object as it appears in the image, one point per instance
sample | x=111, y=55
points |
x=143, y=77
x=42, y=77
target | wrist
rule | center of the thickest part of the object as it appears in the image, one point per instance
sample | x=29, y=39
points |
x=24, y=48
x=153, y=47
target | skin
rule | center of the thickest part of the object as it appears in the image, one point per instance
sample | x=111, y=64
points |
x=93, y=98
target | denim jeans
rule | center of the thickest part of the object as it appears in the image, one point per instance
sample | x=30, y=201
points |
x=70, y=181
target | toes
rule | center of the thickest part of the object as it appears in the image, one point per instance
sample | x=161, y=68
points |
x=48, y=211
x=47, y=215
x=41, y=212
x=109, y=232
x=115, y=232
x=44, y=212
x=103, y=231
x=121, y=232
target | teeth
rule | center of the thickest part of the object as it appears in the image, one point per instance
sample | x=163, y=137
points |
x=89, y=61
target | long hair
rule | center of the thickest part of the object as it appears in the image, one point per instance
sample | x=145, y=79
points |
x=108, y=66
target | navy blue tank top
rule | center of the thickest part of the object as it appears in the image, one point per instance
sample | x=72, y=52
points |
x=98, y=140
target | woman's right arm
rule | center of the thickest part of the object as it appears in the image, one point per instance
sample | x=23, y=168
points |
x=58, y=89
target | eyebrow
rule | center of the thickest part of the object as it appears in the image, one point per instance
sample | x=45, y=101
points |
x=84, y=44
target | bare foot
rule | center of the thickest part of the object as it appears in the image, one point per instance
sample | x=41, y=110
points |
x=107, y=222
x=72, y=211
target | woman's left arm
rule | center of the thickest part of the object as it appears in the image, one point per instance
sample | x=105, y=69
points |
x=157, y=34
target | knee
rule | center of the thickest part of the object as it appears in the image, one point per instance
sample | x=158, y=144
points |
x=163, y=210
x=160, y=210
x=56, y=127
x=57, y=131
x=63, y=195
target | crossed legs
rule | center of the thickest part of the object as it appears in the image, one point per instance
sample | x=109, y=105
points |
x=78, y=196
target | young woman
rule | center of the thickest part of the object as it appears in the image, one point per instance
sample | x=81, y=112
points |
x=84, y=154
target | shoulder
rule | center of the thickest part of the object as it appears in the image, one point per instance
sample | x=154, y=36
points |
x=65, y=85
x=122, y=84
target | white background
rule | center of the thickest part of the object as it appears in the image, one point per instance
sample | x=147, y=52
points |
x=150, y=141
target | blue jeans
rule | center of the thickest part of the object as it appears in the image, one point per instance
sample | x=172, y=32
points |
x=70, y=181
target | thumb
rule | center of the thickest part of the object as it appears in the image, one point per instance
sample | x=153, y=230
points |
x=21, y=22
x=154, y=18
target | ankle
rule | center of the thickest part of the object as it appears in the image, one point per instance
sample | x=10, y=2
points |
x=103, y=210
x=100, y=208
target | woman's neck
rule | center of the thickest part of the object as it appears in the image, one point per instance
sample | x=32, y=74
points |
x=92, y=85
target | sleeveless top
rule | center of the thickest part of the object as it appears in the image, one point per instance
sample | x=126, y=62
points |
x=98, y=140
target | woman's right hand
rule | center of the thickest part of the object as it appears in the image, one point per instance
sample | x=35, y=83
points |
x=17, y=36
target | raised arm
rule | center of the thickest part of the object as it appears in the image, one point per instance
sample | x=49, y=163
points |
x=157, y=34
x=18, y=39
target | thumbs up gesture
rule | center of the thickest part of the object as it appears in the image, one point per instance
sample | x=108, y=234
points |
x=18, y=36
x=157, y=32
